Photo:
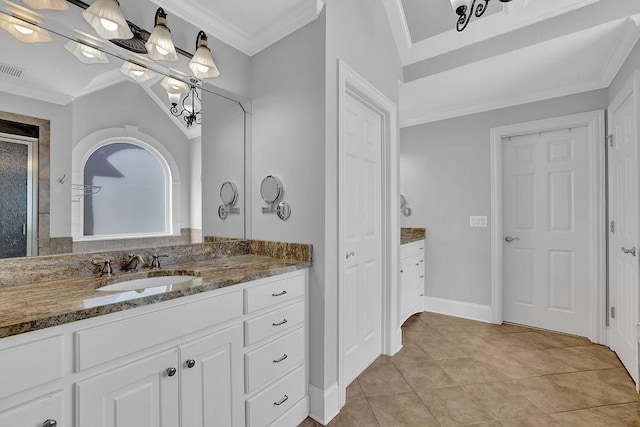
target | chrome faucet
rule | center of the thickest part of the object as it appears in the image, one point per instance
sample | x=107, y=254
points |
x=106, y=267
x=155, y=260
x=132, y=264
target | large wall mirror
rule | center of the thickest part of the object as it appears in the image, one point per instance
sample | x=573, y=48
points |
x=98, y=148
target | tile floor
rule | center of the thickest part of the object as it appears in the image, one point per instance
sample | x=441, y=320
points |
x=455, y=372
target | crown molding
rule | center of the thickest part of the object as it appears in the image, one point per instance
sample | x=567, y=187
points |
x=629, y=38
x=200, y=16
x=474, y=108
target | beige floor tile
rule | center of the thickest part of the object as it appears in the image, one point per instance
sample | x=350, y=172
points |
x=577, y=360
x=421, y=333
x=382, y=378
x=507, y=365
x=542, y=362
x=585, y=417
x=567, y=340
x=476, y=345
x=509, y=343
x=469, y=371
x=438, y=349
x=508, y=328
x=309, y=422
x=599, y=352
x=409, y=355
x=425, y=376
x=592, y=387
x=541, y=421
x=627, y=414
x=538, y=339
x=547, y=395
x=502, y=402
x=354, y=391
x=356, y=414
x=452, y=406
x=403, y=409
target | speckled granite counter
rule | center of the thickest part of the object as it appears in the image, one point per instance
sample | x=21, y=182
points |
x=42, y=304
x=409, y=235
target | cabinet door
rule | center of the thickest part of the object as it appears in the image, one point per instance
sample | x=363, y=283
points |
x=142, y=394
x=212, y=380
x=407, y=288
x=35, y=413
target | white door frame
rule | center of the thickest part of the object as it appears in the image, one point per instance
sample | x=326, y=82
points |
x=351, y=83
x=596, y=211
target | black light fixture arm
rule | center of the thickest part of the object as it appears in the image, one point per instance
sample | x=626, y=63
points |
x=201, y=36
x=465, y=13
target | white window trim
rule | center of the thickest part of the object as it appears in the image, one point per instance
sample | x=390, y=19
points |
x=131, y=135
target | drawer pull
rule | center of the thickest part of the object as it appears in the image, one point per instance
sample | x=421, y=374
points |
x=280, y=323
x=190, y=363
x=421, y=277
x=279, y=294
x=281, y=359
x=284, y=399
x=171, y=372
x=50, y=423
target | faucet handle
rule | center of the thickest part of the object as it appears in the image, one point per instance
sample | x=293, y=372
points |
x=106, y=267
x=155, y=262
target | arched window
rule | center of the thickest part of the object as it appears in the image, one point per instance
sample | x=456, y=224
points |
x=126, y=192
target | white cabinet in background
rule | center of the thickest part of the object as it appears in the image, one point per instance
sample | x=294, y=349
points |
x=411, y=287
x=45, y=411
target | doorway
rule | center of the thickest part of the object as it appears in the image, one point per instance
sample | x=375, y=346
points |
x=548, y=224
x=18, y=196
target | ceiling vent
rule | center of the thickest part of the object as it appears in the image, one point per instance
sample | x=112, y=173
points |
x=10, y=70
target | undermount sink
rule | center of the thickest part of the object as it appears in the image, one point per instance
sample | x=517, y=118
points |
x=149, y=282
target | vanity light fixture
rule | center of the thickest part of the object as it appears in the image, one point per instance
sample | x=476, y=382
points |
x=466, y=8
x=106, y=18
x=87, y=49
x=160, y=44
x=136, y=69
x=175, y=88
x=47, y=4
x=24, y=24
x=202, y=63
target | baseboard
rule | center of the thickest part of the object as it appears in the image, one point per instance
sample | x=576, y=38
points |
x=462, y=309
x=324, y=405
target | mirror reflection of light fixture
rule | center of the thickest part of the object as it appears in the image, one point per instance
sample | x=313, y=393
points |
x=190, y=106
x=106, y=18
x=466, y=8
x=87, y=49
x=160, y=44
x=136, y=69
x=175, y=87
x=23, y=24
x=47, y=4
x=202, y=63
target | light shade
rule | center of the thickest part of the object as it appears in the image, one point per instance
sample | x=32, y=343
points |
x=172, y=85
x=455, y=4
x=106, y=18
x=137, y=72
x=47, y=4
x=202, y=64
x=160, y=45
x=85, y=53
x=23, y=24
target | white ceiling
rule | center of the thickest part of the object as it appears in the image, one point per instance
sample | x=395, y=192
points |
x=530, y=51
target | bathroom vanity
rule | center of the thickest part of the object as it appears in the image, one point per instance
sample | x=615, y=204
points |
x=411, y=289
x=227, y=348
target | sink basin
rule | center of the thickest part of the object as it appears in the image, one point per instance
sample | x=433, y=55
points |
x=149, y=282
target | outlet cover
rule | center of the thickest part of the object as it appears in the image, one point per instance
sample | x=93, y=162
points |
x=478, y=221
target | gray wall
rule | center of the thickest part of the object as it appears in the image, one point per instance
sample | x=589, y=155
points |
x=445, y=176
x=287, y=89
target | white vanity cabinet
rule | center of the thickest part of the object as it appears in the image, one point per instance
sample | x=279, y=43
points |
x=411, y=289
x=224, y=358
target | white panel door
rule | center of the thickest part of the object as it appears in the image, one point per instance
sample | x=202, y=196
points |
x=546, y=230
x=623, y=210
x=361, y=187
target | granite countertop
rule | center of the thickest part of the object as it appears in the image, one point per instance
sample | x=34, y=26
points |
x=40, y=305
x=410, y=235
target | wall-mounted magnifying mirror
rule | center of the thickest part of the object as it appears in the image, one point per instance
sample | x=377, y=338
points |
x=229, y=197
x=272, y=192
x=404, y=209
x=403, y=201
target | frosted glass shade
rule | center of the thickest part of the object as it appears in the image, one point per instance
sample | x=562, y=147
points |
x=23, y=24
x=106, y=18
x=86, y=54
x=47, y=4
x=160, y=45
x=202, y=64
x=172, y=85
x=136, y=72
x=174, y=98
x=455, y=4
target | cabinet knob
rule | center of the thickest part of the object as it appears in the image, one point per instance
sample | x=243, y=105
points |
x=50, y=423
x=190, y=363
x=171, y=371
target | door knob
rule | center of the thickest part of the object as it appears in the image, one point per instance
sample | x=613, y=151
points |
x=510, y=239
x=350, y=254
x=190, y=363
x=171, y=372
x=631, y=251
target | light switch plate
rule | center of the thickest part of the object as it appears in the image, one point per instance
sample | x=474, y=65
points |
x=478, y=221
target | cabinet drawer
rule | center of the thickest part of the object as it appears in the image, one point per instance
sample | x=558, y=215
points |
x=29, y=365
x=273, y=359
x=95, y=345
x=272, y=323
x=273, y=293
x=270, y=404
x=35, y=413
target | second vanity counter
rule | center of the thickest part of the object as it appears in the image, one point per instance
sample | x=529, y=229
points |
x=35, y=306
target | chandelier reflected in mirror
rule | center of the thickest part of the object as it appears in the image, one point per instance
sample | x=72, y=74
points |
x=467, y=8
x=185, y=100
